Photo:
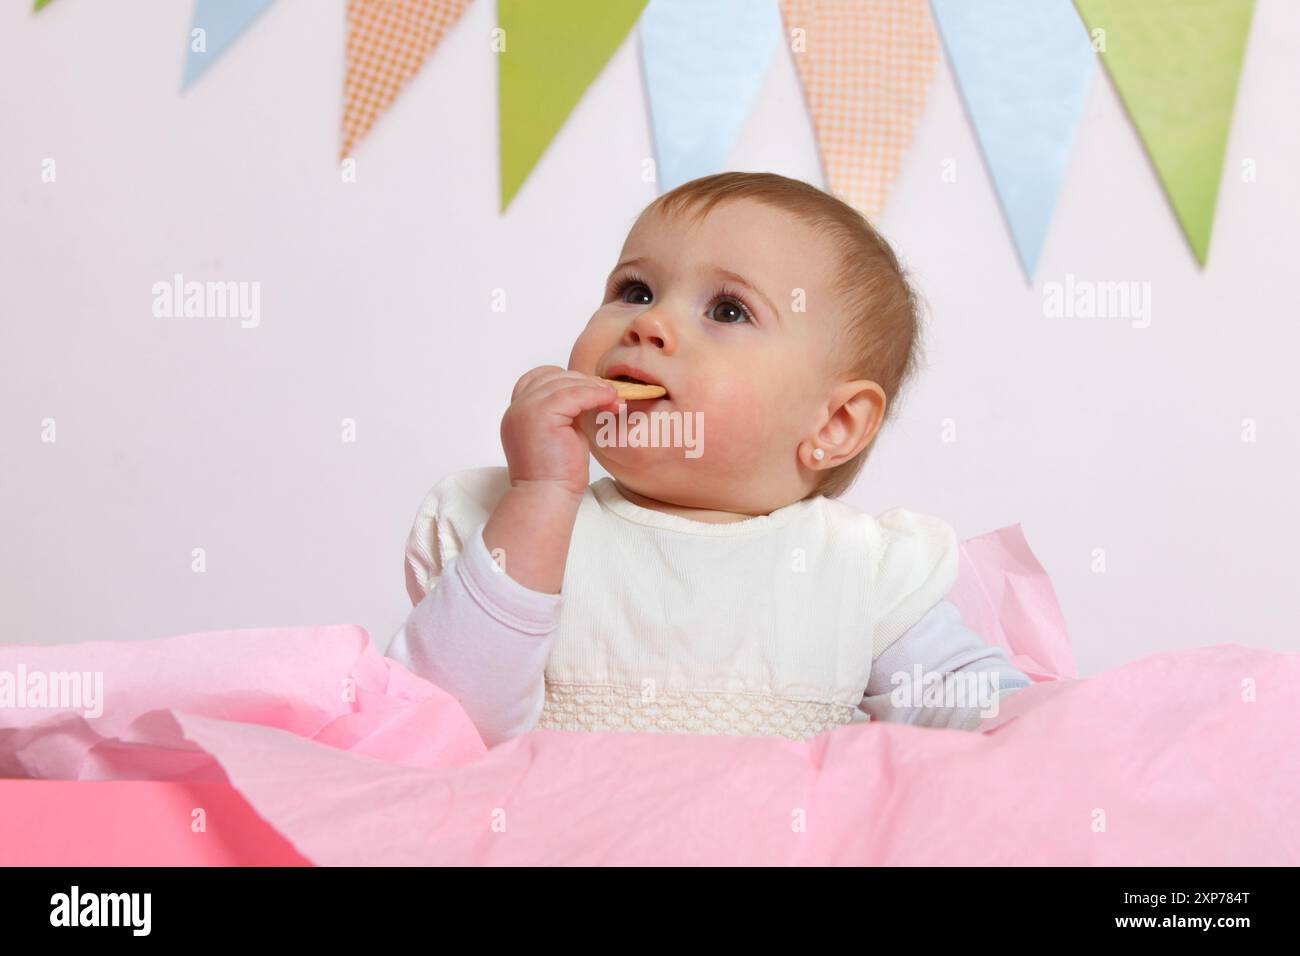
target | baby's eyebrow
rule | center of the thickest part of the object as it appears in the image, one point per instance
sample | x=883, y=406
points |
x=741, y=280
x=624, y=264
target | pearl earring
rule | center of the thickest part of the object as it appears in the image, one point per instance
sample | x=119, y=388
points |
x=818, y=454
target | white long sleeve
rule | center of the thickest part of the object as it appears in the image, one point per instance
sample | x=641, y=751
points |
x=485, y=638
x=946, y=650
x=772, y=625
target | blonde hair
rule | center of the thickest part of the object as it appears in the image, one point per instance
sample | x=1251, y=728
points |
x=881, y=339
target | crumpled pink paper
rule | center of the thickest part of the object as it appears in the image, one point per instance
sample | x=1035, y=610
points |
x=1006, y=597
x=325, y=684
x=1180, y=758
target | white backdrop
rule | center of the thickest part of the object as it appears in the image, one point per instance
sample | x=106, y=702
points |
x=175, y=434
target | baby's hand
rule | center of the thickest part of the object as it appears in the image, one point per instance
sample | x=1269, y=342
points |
x=541, y=441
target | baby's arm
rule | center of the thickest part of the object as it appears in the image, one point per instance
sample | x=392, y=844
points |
x=483, y=633
x=941, y=644
x=547, y=455
x=484, y=638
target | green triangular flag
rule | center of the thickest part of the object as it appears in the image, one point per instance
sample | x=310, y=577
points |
x=39, y=4
x=1176, y=64
x=552, y=53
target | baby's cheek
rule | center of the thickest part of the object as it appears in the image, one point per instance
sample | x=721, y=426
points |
x=738, y=426
x=584, y=355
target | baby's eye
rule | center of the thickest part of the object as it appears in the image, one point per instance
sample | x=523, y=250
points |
x=636, y=289
x=634, y=286
x=729, y=311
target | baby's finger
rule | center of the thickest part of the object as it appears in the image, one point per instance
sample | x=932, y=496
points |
x=532, y=377
x=572, y=400
x=542, y=388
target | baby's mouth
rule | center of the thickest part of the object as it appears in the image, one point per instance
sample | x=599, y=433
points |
x=638, y=380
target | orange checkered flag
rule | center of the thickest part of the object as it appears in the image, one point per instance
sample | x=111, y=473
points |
x=866, y=67
x=388, y=42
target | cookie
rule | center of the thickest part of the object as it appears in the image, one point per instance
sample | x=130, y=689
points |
x=631, y=391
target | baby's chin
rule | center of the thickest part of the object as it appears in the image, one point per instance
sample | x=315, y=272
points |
x=663, y=481
x=658, y=466
x=663, y=473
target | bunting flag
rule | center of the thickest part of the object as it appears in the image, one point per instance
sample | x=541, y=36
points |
x=1176, y=65
x=388, y=42
x=1024, y=68
x=701, y=91
x=551, y=52
x=866, y=67
x=220, y=22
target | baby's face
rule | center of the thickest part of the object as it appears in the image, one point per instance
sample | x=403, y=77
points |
x=708, y=311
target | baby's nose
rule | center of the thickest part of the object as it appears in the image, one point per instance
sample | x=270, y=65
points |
x=651, y=328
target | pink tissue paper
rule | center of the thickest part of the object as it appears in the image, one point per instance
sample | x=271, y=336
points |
x=1186, y=757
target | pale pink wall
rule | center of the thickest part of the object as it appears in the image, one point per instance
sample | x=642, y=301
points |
x=376, y=305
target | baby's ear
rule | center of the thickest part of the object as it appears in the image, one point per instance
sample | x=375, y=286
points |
x=854, y=412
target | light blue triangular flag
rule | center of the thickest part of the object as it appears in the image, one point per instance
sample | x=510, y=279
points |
x=704, y=63
x=1024, y=68
x=222, y=21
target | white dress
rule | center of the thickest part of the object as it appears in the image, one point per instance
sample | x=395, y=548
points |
x=765, y=626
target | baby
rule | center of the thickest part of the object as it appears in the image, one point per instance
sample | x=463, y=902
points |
x=720, y=587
